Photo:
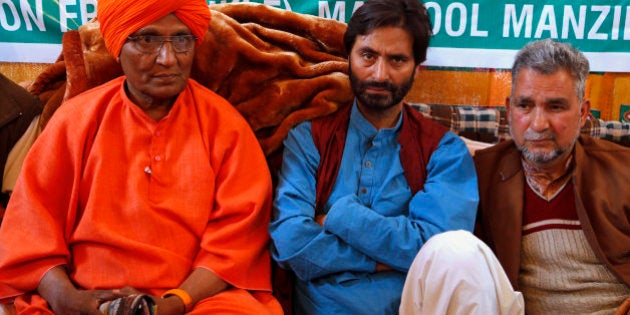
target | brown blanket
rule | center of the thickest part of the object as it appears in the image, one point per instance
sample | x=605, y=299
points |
x=276, y=67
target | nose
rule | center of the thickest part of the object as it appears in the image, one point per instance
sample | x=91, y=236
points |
x=539, y=120
x=166, y=54
x=380, y=72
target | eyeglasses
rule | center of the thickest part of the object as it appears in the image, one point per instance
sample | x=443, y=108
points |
x=150, y=44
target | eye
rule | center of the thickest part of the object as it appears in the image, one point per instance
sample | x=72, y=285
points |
x=399, y=59
x=145, y=39
x=522, y=106
x=557, y=107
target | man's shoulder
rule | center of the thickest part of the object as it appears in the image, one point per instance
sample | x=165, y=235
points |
x=203, y=93
x=93, y=94
x=598, y=145
x=502, y=158
x=341, y=113
x=210, y=104
x=420, y=118
x=15, y=97
x=595, y=150
x=90, y=101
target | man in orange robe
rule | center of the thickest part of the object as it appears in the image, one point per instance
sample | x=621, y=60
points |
x=150, y=184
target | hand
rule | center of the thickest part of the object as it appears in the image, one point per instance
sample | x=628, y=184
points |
x=382, y=267
x=64, y=298
x=200, y=284
x=320, y=219
x=82, y=301
x=170, y=305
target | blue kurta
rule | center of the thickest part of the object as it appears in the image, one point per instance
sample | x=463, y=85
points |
x=372, y=217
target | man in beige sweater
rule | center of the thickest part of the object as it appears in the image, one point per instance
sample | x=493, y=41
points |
x=554, y=205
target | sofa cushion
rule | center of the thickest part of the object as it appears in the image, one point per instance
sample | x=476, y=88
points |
x=489, y=123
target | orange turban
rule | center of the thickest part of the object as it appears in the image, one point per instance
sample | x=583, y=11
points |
x=120, y=18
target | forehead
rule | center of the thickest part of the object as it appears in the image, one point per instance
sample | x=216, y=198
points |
x=386, y=40
x=534, y=85
x=167, y=25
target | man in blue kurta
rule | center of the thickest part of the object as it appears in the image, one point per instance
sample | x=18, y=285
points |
x=361, y=191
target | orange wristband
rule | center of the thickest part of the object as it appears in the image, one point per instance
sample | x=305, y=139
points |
x=182, y=295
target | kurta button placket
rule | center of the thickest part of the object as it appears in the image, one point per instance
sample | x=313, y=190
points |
x=156, y=150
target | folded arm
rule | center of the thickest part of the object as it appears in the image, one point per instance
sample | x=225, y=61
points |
x=300, y=243
x=448, y=201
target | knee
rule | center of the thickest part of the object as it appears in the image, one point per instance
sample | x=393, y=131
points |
x=454, y=248
x=456, y=243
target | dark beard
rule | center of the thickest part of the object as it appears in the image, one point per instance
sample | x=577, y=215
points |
x=379, y=102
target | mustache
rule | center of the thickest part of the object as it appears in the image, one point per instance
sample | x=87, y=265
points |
x=382, y=85
x=533, y=135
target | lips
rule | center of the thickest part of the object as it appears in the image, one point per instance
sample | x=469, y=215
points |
x=532, y=136
x=539, y=140
x=166, y=77
x=377, y=90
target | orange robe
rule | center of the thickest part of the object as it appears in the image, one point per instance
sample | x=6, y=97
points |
x=124, y=200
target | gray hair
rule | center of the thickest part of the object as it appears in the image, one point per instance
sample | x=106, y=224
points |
x=547, y=56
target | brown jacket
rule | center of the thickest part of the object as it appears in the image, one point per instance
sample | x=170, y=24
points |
x=17, y=110
x=601, y=180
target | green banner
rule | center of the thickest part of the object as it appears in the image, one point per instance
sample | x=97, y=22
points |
x=594, y=26
x=42, y=22
x=487, y=32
